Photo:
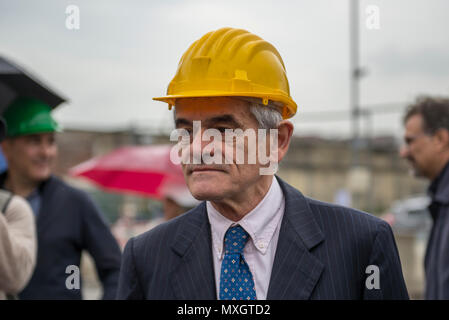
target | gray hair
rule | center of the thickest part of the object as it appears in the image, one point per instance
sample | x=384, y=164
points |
x=268, y=116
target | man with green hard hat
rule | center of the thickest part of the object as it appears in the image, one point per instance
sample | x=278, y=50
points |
x=68, y=222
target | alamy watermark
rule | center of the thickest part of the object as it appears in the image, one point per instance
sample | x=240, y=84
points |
x=72, y=282
x=373, y=280
x=372, y=21
x=226, y=147
x=72, y=21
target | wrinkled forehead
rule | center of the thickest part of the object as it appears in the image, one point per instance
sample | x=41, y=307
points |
x=225, y=109
x=211, y=106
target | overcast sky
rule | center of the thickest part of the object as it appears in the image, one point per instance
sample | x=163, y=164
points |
x=126, y=52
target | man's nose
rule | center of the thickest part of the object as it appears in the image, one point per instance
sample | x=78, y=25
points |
x=198, y=144
x=45, y=149
x=197, y=140
x=404, y=151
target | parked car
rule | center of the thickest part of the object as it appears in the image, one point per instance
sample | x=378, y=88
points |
x=410, y=214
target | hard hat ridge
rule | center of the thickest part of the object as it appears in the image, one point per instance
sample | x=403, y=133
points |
x=232, y=62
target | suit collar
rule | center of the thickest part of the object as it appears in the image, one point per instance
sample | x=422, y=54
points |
x=300, y=216
x=296, y=270
x=188, y=230
x=193, y=274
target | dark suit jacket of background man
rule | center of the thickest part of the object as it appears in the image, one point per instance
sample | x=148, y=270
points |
x=323, y=252
x=69, y=222
x=437, y=253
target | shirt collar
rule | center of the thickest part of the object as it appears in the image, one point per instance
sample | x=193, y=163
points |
x=260, y=223
x=35, y=199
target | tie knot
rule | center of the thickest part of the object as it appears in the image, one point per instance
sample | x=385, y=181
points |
x=235, y=239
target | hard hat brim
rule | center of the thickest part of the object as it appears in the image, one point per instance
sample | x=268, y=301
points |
x=288, y=111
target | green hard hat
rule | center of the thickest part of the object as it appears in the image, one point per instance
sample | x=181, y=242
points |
x=29, y=116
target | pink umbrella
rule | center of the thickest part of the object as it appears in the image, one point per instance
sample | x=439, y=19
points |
x=144, y=170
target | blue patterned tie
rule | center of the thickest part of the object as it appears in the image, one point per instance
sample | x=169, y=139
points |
x=236, y=280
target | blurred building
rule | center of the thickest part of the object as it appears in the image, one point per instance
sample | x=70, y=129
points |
x=320, y=168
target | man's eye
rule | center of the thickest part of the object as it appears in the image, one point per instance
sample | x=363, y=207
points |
x=33, y=140
x=189, y=130
x=222, y=129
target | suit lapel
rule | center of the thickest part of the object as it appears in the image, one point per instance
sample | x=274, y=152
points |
x=295, y=270
x=193, y=274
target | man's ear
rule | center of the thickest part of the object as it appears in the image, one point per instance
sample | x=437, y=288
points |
x=442, y=139
x=6, y=146
x=285, y=132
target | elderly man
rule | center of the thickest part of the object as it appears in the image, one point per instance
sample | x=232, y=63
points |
x=254, y=236
x=427, y=149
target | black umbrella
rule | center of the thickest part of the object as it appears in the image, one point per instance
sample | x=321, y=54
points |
x=15, y=82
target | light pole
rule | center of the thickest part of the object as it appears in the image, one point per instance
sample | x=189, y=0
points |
x=355, y=73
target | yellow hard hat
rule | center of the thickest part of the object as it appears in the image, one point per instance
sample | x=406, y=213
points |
x=232, y=63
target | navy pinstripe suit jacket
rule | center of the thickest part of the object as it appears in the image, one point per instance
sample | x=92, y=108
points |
x=323, y=252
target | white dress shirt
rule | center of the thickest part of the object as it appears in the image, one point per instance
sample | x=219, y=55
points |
x=262, y=224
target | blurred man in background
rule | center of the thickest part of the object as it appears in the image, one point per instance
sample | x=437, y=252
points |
x=17, y=241
x=174, y=203
x=68, y=222
x=427, y=150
